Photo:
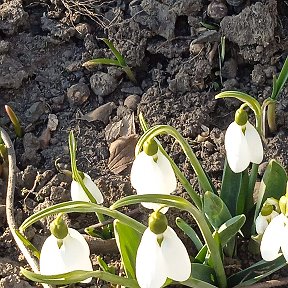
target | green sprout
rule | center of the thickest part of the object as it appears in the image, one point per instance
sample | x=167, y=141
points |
x=119, y=61
x=15, y=121
x=269, y=105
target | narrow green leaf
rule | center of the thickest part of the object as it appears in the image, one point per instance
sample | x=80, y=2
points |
x=230, y=228
x=117, y=54
x=190, y=232
x=101, y=61
x=102, y=264
x=28, y=244
x=215, y=210
x=201, y=256
x=78, y=276
x=273, y=184
x=230, y=188
x=256, y=272
x=128, y=240
x=281, y=80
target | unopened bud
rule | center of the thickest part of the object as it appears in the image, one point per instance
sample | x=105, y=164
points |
x=158, y=222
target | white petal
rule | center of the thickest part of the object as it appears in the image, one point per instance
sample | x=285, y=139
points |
x=73, y=255
x=254, y=143
x=284, y=245
x=261, y=224
x=150, y=267
x=78, y=194
x=271, y=241
x=238, y=155
x=51, y=261
x=175, y=256
x=150, y=177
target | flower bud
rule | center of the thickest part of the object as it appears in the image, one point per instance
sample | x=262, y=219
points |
x=158, y=222
x=59, y=228
x=241, y=117
x=150, y=147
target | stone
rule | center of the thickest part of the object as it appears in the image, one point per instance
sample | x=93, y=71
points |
x=132, y=101
x=78, y=93
x=103, y=84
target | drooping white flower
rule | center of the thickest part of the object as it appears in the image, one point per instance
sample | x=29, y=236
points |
x=262, y=222
x=72, y=255
x=275, y=238
x=242, y=147
x=155, y=263
x=149, y=176
x=78, y=194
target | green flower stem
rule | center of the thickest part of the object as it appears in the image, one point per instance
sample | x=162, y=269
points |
x=78, y=276
x=251, y=185
x=182, y=204
x=271, y=116
x=81, y=207
x=181, y=177
x=251, y=102
x=75, y=173
x=166, y=129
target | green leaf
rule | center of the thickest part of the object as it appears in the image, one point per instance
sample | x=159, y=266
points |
x=190, y=232
x=202, y=273
x=256, y=272
x=78, y=276
x=117, y=54
x=215, y=210
x=28, y=244
x=273, y=184
x=128, y=240
x=101, y=61
x=201, y=256
x=230, y=188
x=230, y=228
x=281, y=80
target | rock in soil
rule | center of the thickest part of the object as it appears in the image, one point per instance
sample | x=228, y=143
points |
x=103, y=84
x=77, y=94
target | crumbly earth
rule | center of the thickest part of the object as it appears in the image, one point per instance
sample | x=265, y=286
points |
x=43, y=45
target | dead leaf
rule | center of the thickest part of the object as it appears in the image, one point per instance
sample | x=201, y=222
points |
x=122, y=153
x=124, y=127
x=101, y=113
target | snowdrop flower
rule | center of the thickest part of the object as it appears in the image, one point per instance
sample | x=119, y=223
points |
x=275, y=236
x=242, y=143
x=262, y=221
x=78, y=194
x=161, y=255
x=64, y=251
x=152, y=173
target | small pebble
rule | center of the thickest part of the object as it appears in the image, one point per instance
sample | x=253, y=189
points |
x=132, y=101
x=77, y=94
